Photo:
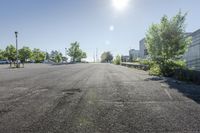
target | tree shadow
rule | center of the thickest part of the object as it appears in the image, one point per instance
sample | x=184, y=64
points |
x=189, y=90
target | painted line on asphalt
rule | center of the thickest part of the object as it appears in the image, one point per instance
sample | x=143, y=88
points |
x=167, y=92
x=140, y=102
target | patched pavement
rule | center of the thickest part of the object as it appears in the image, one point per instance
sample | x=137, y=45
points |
x=94, y=98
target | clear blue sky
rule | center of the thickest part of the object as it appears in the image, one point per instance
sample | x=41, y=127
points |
x=54, y=24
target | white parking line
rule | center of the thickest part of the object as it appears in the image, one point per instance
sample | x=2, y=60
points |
x=168, y=94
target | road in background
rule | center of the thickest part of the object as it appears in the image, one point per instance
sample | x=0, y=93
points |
x=94, y=98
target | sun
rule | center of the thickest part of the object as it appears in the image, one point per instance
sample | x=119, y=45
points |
x=120, y=4
x=112, y=28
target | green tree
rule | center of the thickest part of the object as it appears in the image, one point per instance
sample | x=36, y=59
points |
x=38, y=55
x=75, y=52
x=25, y=53
x=47, y=56
x=10, y=53
x=117, y=60
x=2, y=53
x=167, y=41
x=58, y=58
x=106, y=57
x=54, y=53
x=64, y=58
x=81, y=56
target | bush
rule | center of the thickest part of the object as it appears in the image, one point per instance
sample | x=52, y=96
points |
x=187, y=75
x=180, y=64
x=117, y=60
x=155, y=70
x=165, y=69
x=168, y=68
x=58, y=58
x=147, y=62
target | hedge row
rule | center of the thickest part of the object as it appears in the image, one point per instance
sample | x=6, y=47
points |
x=187, y=75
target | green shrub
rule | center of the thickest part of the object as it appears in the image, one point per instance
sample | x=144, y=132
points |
x=180, y=64
x=58, y=58
x=166, y=69
x=146, y=62
x=163, y=68
x=155, y=70
x=117, y=60
x=187, y=75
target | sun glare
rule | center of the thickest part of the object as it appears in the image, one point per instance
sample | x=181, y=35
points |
x=111, y=28
x=120, y=4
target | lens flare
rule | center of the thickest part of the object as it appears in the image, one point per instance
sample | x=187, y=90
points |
x=120, y=4
x=111, y=28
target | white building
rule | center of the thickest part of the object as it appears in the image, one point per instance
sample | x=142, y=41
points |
x=134, y=54
x=192, y=56
x=125, y=58
x=143, y=50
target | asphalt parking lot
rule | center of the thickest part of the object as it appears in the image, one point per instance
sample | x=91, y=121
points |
x=94, y=98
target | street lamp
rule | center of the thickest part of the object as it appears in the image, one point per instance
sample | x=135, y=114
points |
x=16, y=33
x=66, y=52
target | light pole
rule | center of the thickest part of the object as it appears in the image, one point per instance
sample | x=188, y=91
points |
x=66, y=52
x=16, y=33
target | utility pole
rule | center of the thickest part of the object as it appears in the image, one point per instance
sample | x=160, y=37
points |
x=94, y=57
x=16, y=33
x=97, y=55
x=66, y=52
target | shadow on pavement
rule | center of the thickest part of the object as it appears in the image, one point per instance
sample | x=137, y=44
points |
x=189, y=90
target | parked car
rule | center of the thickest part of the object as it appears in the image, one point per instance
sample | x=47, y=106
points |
x=31, y=61
x=4, y=62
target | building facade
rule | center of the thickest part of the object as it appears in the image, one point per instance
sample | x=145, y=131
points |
x=134, y=54
x=192, y=56
x=125, y=58
x=143, y=50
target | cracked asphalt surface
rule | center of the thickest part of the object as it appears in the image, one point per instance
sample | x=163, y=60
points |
x=94, y=98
